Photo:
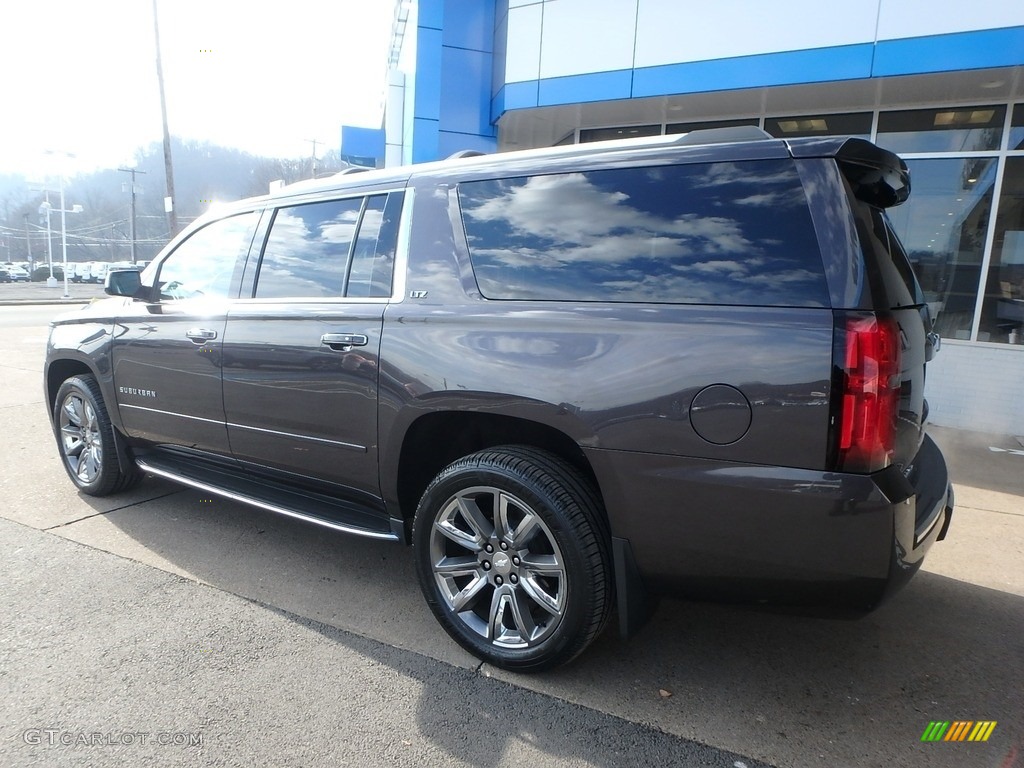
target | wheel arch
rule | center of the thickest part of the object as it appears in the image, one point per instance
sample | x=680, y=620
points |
x=436, y=439
x=60, y=370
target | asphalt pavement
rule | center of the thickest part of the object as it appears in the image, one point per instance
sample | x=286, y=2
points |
x=164, y=626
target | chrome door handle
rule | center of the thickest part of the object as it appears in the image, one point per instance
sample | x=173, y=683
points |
x=200, y=335
x=344, y=341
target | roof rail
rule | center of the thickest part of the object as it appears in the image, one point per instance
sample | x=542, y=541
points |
x=465, y=153
x=723, y=135
x=352, y=169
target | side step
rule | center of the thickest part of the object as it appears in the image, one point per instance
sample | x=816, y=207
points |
x=312, y=507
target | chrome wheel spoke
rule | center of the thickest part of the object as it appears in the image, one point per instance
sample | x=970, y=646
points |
x=459, y=536
x=457, y=566
x=543, y=565
x=466, y=597
x=550, y=603
x=501, y=600
x=86, y=464
x=72, y=411
x=526, y=528
x=482, y=527
x=522, y=616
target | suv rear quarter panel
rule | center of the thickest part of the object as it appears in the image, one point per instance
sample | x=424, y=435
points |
x=617, y=377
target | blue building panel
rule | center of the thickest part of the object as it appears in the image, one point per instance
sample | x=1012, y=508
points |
x=427, y=102
x=466, y=109
x=424, y=140
x=362, y=142
x=945, y=53
x=846, y=62
x=469, y=24
x=430, y=13
x=576, y=89
x=521, y=95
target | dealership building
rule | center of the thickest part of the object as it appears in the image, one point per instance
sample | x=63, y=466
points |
x=939, y=82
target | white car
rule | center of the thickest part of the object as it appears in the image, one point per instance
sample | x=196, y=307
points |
x=99, y=272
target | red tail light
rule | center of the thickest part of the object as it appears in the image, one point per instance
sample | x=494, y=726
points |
x=870, y=390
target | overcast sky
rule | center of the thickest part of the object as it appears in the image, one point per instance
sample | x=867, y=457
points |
x=79, y=76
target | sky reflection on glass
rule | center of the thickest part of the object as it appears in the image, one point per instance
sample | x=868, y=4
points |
x=726, y=233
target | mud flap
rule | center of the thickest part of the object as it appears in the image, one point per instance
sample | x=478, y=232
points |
x=635, y=605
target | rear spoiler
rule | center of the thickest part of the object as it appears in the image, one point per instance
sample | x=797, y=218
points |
x=878, y=177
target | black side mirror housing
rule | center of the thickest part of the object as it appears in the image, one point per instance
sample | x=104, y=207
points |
x=123, y=282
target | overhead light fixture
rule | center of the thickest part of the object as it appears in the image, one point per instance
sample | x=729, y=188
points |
x=990, y=84
x=971, y=181
x=963, y=117
x=814, y=124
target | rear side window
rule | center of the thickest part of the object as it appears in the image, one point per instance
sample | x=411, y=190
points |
x=714, y=233
x=306, y=254
x=332, y=249
x=889, y=270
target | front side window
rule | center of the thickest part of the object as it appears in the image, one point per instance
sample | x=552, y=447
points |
x=204, y=265
x=714, y=233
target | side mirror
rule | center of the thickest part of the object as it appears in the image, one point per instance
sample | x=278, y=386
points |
x=123, y=282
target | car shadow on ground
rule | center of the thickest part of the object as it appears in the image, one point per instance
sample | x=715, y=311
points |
x=787, y=689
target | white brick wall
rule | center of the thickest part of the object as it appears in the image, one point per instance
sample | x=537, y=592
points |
x=977, y=387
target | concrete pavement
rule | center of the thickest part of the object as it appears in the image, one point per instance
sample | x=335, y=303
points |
x=787, y=690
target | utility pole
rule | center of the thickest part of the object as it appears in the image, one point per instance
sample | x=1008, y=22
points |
x=133, y=171
x=28, y=247
x=172, y=215
x=314, y=142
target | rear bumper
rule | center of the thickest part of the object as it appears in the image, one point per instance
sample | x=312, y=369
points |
x=770, y=534
x=930, y=496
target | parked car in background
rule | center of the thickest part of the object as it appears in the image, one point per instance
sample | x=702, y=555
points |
x=79, y=272
x=98, y=272
x=567, y=377
x=17, y=273
x=5, y=276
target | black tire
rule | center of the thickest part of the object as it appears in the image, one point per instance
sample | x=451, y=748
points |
x=85, y=439
x=532, y=590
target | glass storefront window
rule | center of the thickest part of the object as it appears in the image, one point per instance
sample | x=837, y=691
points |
x=1002, y=314
x=625, y=132
x=708, y=124
x=848, y=124
x=1017, y=127
x=949, y=129
x=943, y=228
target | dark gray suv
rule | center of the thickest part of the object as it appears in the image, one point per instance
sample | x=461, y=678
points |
x=570, y=378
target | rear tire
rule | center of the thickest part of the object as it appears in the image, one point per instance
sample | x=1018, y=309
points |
x=513, y=558
x=85, y=438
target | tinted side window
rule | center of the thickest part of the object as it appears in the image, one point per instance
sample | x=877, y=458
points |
x=307, y=250
x=714, y=233
x=205, y=263
x=373, y=260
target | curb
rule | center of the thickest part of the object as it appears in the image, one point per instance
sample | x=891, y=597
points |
x=42, y=302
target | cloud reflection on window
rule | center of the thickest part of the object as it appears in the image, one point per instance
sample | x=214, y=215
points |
x=727, y=233
x=307, y=251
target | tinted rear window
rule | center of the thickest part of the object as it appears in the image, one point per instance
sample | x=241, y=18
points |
x=714, y=233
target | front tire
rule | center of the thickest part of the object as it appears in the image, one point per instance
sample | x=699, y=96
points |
x=512, y=557
x=85, y=438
